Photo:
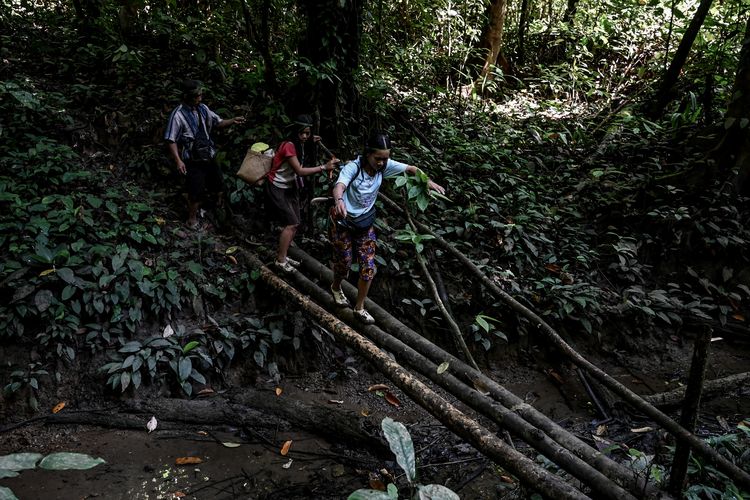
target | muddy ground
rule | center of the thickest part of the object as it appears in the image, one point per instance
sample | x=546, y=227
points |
x=141, y=465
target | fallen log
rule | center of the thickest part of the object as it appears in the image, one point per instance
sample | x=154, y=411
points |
x=634, y=400
x=531, y=474
x=712, y=388
x=246, y=408
x=604, y=487
x=512, y=404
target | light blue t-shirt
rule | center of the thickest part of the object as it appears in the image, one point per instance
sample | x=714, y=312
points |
x=360, y=194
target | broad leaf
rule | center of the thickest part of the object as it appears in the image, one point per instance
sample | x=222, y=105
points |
x=19, y=461
x=7, y=494
x=69, y=461
x=436, y=492
x=401, y=445
x=369, y=495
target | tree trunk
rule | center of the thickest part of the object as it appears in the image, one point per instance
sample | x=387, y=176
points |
x=690, y=410
x=734, y=148
x=523, y=25
x=492, y=40
x=673, y=72
x=259, y=37
x=332, y=45
x=570, y=11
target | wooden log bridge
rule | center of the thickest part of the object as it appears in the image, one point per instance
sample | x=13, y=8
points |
x=599, y=476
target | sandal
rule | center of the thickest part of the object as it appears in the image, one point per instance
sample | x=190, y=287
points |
x=364, y=316
x=339, y=298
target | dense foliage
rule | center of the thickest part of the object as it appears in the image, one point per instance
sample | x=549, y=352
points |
x=611, y=223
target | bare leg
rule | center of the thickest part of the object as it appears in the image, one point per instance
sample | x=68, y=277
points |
x=285, y=240
x=363, y=287
x=192, y=212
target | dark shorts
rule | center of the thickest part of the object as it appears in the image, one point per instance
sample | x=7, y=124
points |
x=203, y=176
x=346, y=243
x=283, y=204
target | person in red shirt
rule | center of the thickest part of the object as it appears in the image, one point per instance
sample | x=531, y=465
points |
x=282, y=190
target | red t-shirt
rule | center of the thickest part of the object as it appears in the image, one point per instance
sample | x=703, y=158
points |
x=282, y=174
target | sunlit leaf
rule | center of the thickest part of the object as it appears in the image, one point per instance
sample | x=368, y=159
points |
x=443, y=366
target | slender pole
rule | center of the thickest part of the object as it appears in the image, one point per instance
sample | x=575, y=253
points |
x=690, y=409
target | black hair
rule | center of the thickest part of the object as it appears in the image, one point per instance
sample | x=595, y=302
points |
x=377, y=140
x=191, y=88
x=300, y=123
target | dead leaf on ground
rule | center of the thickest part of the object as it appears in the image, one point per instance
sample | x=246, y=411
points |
x=378, y=387
x=231, y=445
x=288, y=464
x=179, y=494
x=205, y=391
x=232, y=259
x=336, y=401
x=739, y=317
x=443, y=366
x=188, y=461
x=365, y=412
x=479, y=386
x=555, y=376
x=59, y=406
x=641, y=430
x=392, y=399
x=601, y=430
x=377, y=484
x=507, y=479
x=202, y=433
x=285, y=447
x=278, y=391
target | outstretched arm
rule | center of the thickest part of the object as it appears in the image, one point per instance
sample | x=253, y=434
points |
x=412, y=170
x=230, y=121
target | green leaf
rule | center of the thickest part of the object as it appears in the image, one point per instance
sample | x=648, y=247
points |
x=186, y=366
x=436, y=492
x=19, y=461
x=401, y=445
x=66, y=274
x=69, y=461
x=132, y=346
x=190, y=346
x=369, y=495
x=43, y=299
x=7, y=494
x=443, y=366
